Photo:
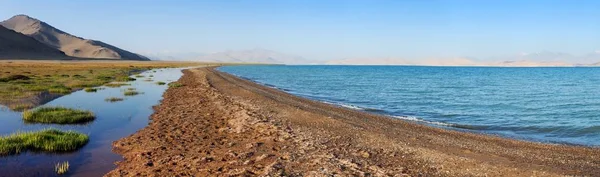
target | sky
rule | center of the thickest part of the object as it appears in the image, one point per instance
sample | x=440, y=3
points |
x=326, y=29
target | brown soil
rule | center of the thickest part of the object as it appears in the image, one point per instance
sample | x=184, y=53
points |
x=220, y=125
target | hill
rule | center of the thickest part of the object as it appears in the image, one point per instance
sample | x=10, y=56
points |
x=71, y=45
x=14, y=45
x=252, y=56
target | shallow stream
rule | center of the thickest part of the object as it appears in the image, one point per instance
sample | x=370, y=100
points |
x=113, y=121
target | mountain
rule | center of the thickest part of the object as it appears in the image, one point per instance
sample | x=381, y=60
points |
x=448, y=62
x=252, y=56
x=530, y=63
x=173, y=56
x=14, y=45
x=71, y=45
x=553, y=57
x=401, y=61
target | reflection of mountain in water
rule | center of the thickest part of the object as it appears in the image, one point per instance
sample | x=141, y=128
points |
x=34, y=100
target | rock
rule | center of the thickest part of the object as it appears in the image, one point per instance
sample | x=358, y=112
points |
x=365, y=154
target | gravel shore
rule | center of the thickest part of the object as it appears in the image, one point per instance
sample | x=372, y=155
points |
x=220, y=125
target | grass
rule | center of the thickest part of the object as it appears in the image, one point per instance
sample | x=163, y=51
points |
x=160, y=83
x=116, y=84
x=90, y=90
x=58, y=115
x=60, y=89
x=14, y=78
x=175, y=85
x=125, y=79
x=22, y=79
x=113, y=99
x=139, y=76
x=61, y=168
x=49, y=140
x=131, y=93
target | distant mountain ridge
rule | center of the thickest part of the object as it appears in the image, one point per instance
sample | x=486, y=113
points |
x=14, y=45
x=71, y=45
x=252, y=56
x=539, y=59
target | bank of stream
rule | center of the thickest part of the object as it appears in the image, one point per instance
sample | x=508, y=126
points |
x=114, y=120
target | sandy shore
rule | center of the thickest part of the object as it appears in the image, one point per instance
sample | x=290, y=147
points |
x=220, y=125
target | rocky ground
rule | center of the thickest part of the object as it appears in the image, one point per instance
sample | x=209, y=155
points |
x=220, y=125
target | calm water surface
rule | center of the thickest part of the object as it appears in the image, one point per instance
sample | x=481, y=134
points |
x=113, y=121
x=552, y=105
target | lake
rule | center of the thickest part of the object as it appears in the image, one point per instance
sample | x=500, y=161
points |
x=550, y=105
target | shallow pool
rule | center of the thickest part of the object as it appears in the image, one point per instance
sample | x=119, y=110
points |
x=113, y=121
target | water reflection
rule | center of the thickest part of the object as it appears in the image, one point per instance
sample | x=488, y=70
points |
x=114, y=120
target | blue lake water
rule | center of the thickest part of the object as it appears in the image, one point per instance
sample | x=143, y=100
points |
x=551, y=105
x=113, y=121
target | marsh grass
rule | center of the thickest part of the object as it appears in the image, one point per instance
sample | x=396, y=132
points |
x=49, y=140
x=21, y=80
x=116, y=84
x=58, y=115
x=131, y=93
x=61, y=168
x=14, y=78
x=90, y=90
x=160, y=83
x=125, y=79
x=175, y=85
x=113, y=99
x=60, y=89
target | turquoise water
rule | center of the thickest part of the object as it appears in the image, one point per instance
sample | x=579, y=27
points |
x=551, y=105
x=113, y=121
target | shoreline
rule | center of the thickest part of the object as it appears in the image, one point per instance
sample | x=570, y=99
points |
x=466, y=128
x=219, y=124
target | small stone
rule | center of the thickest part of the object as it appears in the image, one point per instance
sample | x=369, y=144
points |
x=365, y=154
x=149, y=163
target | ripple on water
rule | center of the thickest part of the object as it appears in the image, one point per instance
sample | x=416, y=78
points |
x=538, y=104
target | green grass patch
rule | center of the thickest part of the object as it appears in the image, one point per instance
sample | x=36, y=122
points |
x=131, y=93
x=139, y=76
x=116, y=84
x=58, y=115
x=61, y=89
x=49, y=140
x=90, y=90
x=175, y=85
x=113, y=99
x=160, y=83
x=124, y=79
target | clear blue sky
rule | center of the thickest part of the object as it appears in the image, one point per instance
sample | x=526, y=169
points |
x=324, y=29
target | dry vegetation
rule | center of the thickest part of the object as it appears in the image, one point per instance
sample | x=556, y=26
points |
x=22, y=81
